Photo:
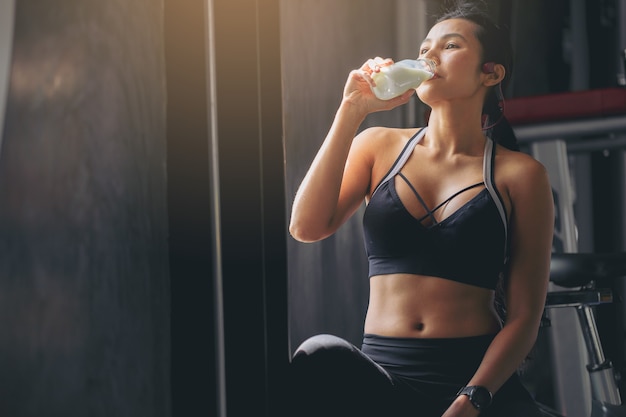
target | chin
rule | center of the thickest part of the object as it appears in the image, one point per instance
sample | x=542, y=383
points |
x=425, y=97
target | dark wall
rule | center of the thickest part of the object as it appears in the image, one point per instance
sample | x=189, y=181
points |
x=193, y=348
x=226, y=208
x=249, y=143
x=321, y=42
x=84, y=288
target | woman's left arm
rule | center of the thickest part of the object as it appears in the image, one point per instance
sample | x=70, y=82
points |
x=531, y=227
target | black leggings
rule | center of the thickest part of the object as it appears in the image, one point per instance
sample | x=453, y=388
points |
x=393, y=377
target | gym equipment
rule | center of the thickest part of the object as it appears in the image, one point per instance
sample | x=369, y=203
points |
x=551, y=126
x=584, y=270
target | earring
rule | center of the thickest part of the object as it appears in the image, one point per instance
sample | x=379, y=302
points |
x=488, y=67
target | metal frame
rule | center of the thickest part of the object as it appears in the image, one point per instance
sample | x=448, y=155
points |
x=572, y=130
x=7, y=21
x=604, y=388
x=551, y=143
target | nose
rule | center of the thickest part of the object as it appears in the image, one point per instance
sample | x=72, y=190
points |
x=430, y=54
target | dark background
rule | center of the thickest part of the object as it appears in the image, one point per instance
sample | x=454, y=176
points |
x=150, y=153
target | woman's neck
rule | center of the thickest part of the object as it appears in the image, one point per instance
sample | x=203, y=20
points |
x=455, y=129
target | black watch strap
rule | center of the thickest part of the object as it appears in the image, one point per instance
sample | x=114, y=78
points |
x=479, y=396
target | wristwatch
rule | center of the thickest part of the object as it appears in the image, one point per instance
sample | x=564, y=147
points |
x=480, y=397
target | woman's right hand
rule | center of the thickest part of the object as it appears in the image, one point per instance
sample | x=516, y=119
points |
x=358, y=89
x=338, y=179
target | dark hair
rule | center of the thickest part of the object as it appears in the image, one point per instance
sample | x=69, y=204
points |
x=496, y=47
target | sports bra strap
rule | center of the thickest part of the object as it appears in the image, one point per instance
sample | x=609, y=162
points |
x=431, y=213
x=488, y=176
x=402, y=158
x=447, y=200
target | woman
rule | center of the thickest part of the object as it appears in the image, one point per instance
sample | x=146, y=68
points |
x=451, y=215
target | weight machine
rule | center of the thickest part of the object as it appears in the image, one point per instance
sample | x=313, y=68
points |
x=550, y=127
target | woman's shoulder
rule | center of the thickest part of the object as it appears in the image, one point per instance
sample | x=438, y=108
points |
x=517, y=162
x=382, y=145
x=379, y=138
x=521, y=172
x=388, y=132
x=379, y=147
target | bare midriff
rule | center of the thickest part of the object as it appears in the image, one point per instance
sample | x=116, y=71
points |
x=404, y=305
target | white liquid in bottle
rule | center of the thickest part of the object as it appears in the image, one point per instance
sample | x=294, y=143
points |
x=395, y=79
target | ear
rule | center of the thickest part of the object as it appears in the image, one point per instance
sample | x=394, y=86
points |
x=494, y=75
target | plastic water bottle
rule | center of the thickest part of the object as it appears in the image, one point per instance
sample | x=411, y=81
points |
x=399, y=77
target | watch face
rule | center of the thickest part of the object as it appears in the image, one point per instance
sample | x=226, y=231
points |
x=480, y=397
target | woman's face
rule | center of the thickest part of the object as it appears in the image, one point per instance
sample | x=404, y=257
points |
x=453, y=45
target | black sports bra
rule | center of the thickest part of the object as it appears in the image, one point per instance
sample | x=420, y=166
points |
x=468, y=246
